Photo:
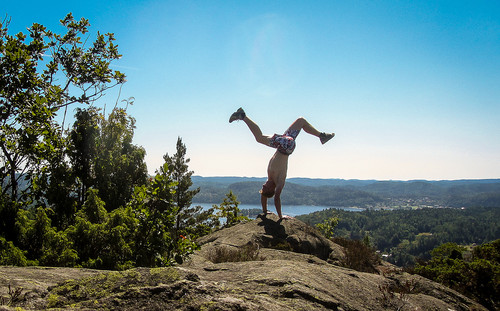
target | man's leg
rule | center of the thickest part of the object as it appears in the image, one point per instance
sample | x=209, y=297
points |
x=254, y=128
x=302, y=123
x=257, y=133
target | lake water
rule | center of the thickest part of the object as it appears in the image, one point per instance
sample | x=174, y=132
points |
x=290, y=210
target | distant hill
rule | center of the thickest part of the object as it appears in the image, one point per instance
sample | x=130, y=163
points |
x=353, y=192
x=314, y=182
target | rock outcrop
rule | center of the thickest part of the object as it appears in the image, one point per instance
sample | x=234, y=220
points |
x=268, y=232
x=289, y=266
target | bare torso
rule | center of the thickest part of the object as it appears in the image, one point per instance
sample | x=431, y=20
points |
x=277, y=169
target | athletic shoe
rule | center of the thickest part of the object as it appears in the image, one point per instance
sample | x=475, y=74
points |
x=238, y=115
x=324, y=137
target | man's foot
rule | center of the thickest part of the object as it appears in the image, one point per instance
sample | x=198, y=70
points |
x=286, y=217
x=238, y=115
x=324, y=137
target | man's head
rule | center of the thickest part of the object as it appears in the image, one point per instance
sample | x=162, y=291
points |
x=268, y=189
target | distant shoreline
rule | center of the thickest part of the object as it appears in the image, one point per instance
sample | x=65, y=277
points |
x=291, y=210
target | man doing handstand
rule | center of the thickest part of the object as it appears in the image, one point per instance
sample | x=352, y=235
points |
x=278, y=165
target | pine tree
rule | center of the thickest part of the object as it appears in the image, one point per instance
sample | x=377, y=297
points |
x=229, y=210
x=178, y=168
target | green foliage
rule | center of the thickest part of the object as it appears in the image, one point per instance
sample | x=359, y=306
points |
x=93, y=209
x=43, y=242
x=178, y=168
x=328, y=226
x=143, y=232
x=103, y=240
x=54, y=187
x=229, y=210
x=139, y=234
x=42, y=72
x=153, y=205
x=98, y=153
x=475, y=274
x=11, y=255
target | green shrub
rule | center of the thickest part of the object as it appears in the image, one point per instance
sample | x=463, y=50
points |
x=358, y=255
x=42, y=242
x=104, y=240
x=11, y=255
x=328, y=226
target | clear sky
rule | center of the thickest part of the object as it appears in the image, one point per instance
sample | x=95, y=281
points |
x=411, y=88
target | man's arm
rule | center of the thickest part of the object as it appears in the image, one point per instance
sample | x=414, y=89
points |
x=277, y=200
x=263, y=202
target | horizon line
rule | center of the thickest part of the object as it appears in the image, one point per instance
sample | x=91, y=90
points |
x=359, y=179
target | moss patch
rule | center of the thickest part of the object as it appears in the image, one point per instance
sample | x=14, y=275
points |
x=110, y=283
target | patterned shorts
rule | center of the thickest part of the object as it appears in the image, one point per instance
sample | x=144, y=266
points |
x=285, y=143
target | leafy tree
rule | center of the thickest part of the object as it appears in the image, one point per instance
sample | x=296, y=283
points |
x=119, y=165
x=34, y=89
x=121, y=229
x=488, y=251
x=103, y=156
x=94, y=208
x=42, y=72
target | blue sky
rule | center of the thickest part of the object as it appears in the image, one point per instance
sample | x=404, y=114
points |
x=411, y=88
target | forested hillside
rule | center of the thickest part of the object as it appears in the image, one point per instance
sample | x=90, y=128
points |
x=406, y=235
